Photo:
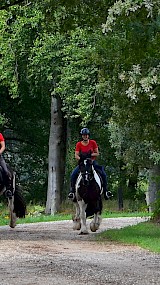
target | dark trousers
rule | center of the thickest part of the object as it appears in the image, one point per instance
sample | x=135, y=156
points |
x=97, y=167
x=3, y=164
x=6, y=172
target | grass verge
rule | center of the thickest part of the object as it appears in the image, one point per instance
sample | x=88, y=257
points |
x=145, y=235
x=36, y=213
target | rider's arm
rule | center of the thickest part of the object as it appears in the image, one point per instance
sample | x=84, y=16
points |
x=77, y=155
x=2, y=148
x=95, y=152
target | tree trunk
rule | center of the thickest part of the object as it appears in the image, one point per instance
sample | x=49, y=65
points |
x=153, y=188
x=121, y=186
x=132, y=183
x=56, y=157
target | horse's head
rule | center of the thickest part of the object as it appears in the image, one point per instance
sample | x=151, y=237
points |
x=85, y=166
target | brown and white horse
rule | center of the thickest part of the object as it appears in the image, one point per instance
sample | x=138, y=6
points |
x=88, y=198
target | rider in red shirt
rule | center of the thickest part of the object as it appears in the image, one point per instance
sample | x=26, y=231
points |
x=87, y=146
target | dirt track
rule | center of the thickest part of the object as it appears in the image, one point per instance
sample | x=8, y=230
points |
x=52, y=254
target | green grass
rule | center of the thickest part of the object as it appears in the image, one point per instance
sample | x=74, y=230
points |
x=40, y=217
x=44, y=218
x=35, y=214
x=145, y=235
x=124, y=214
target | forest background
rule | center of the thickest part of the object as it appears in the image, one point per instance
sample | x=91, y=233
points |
x=69, y=64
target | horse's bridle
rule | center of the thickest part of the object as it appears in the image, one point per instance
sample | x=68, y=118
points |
x=86, y=171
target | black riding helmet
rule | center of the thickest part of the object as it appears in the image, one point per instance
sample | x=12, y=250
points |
x=85, y=131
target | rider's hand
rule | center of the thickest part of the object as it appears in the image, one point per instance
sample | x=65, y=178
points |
x=85, y=155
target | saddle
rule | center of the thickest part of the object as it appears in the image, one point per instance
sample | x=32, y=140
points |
x=98, y=178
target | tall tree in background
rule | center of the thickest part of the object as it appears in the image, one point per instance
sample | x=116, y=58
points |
x=33, y=70
x=135, y=26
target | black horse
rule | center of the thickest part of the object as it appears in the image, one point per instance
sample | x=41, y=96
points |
x=88, y=197
x=16, y=202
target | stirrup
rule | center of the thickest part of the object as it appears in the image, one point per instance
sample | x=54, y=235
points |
x=109, y=194
x=8, y=194
x=71, y=195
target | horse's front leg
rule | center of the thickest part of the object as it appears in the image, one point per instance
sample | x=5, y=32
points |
x=83, y=207
x=76, y=218
x=94, y=225
x=12, y=213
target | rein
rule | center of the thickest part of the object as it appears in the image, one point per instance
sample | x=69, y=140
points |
x=86, y=170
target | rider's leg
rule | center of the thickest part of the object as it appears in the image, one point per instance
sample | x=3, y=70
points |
x=107, y=194
x=3, y=164
x=74, y=176
x=7, y=178
x=100, y=169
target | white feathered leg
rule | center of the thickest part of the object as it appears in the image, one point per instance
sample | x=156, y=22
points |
x=83, y=207
x=94, y=225
x=76, y=219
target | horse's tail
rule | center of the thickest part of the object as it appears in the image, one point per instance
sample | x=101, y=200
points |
x=19, y=203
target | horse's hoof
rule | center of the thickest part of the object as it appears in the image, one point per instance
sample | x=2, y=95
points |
x=94, y=227
x=12, y=224
x=76, y=224
x=83, y=232
x=76, y=227
x=93, y=230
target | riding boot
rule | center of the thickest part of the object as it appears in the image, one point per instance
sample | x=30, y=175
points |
x=107, y=195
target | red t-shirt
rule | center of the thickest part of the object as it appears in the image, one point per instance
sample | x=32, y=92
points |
x=91, y=146
x=1, y=138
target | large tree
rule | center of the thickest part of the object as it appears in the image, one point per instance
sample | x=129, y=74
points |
x=134, y=28
x=32, y=39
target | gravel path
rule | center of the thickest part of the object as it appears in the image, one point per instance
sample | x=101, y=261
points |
x=52, y=253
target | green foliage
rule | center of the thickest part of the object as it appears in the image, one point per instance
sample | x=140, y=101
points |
x=2, y=120
x=6, y=4
x=156, y=214
x=77, y=85
x=135, y=27
x=26, y=113
x=108, y=81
